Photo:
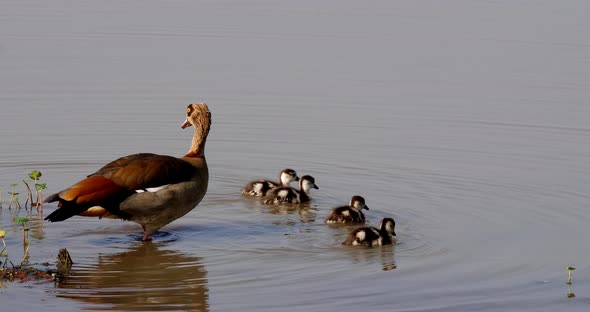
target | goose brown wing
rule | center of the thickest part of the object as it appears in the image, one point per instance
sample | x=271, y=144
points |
x=139, y=171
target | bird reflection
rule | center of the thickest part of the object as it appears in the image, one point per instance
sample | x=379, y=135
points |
x=306, y=213
x=143, y=278
x=385, y=254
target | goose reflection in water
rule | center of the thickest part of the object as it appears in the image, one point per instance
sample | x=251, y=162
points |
x=143, y=278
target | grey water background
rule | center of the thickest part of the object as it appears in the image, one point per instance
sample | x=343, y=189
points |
x=466, y=121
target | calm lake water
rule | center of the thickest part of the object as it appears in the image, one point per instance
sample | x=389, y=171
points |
x=466, y=121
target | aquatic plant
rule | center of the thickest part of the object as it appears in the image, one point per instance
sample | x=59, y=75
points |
x=40, y=187
x=23, y=221
x=13, y=196
x=29, y=194
x=24, y=272
x=2, y=234
x=569, y=274
x=35, y=175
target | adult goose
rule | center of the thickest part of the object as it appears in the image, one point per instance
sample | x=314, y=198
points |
x=371, y=236
x=349, y=214
x=261, y=187
x=149, y=189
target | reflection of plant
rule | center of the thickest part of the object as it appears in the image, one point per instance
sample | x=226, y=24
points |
x=569, y=274
x=570, y=293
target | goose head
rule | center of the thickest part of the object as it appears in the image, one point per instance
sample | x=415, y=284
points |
x=198, y=114
x=199, y=117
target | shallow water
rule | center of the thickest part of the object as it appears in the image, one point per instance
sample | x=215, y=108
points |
x=467, y=122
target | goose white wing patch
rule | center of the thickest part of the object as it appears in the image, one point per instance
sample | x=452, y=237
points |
x=152, y=189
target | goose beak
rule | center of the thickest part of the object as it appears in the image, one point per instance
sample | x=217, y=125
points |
x=185, y=124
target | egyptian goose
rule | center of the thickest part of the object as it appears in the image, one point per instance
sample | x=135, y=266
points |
x=286, y=194
x=149, y=189
x=371, y=236
x=349, y=214
x=261, y=187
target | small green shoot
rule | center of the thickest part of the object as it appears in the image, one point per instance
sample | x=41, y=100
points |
x=569, y=274
x=35, y=175
x=23, y=221
x=13, y=196
x=13, y=199
x=40, y=187
x=2, y=234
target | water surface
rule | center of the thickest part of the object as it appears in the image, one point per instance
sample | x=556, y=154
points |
x=465, y=121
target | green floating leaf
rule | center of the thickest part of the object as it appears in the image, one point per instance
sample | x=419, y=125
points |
x=21, y=220
x=2, y=233
x=41, y=186
x=569, y=268
x=13, y=184
x=35, y=174
x=13, y=193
